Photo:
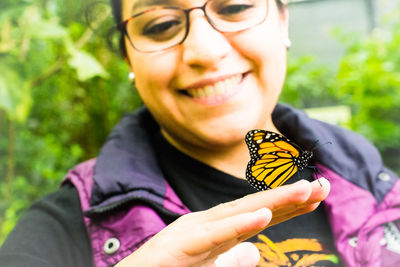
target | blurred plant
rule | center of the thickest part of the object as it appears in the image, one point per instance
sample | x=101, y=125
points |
x=57, y=77
x=367, y=80
x=308, y=83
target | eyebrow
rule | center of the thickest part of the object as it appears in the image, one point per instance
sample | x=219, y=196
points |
x=144, y=3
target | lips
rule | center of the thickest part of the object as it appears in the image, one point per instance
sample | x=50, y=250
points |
x=214, y=92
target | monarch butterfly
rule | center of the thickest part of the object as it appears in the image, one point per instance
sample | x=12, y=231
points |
x=274, y=159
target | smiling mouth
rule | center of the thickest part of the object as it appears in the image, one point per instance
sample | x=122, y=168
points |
x=222, y=88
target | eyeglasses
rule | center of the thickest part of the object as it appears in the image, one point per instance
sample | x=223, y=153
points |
x=164, y=27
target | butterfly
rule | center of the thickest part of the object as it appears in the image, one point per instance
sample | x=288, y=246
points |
x=273, y=159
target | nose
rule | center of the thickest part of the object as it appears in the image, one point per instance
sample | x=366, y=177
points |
x=204, y=47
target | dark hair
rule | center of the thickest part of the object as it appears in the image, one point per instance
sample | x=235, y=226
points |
x=281, y=4
x=116, y=6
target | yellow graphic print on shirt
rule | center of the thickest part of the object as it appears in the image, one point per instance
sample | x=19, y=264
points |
x=292, y=252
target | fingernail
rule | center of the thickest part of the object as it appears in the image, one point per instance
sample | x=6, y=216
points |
x=263, y=212
x=263, y=216
x=322, y=181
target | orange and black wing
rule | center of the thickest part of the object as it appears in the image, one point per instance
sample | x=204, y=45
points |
x=273, y=159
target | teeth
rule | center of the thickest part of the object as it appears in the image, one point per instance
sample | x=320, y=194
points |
x=209, y=90
x=200, y=93
x=219, y=88
x=230, y=83
x=195, y=93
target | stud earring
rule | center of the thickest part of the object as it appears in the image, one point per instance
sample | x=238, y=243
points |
x=287, y=43
x=131, y=76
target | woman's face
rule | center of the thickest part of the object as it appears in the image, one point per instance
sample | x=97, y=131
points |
x=214, y=87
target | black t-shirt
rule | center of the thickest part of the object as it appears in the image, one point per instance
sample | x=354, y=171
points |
x=52, y=232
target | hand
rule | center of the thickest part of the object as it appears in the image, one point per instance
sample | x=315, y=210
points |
x=211, y=237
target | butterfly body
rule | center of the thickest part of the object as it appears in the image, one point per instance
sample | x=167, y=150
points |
x=274, y=159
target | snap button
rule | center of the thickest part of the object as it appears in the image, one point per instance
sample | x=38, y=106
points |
x=111, y=246
x=353, y=242
x=384, y=176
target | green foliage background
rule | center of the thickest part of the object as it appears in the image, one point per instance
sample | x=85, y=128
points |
x=62, y=89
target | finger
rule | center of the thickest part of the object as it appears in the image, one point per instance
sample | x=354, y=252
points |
x=221, y=233
x=243, y=254
x=278, y=219
x=294, y=213
x=320, y=190
x=274, y=199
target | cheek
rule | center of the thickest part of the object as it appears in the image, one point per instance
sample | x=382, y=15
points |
x=154, y=73
x=263, y=47
x=262, y=44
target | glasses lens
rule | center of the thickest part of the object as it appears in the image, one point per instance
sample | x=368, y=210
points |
x=164, y=27
x=157, y=29
x=236, y=15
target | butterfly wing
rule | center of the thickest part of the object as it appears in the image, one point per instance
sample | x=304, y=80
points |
x=273, y=159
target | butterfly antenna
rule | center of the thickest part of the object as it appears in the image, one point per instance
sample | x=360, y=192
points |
x=316, y=171
x=317, y=174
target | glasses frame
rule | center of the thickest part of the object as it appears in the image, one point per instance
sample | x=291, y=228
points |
x=123, y=25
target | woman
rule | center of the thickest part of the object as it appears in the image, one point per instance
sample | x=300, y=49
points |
x=209, y=72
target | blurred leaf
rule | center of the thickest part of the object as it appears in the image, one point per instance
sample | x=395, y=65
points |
x=15, y=96
x=47, y=29
x=86, y=65
x=35, y=25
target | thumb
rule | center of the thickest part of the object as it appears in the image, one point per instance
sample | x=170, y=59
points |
x=242, y=255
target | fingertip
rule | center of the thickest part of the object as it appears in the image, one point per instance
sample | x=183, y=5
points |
x=323, y=182
x=264, y=212
x=303, y=190
x=322, y=187
x=243, y=254
x=264, y=215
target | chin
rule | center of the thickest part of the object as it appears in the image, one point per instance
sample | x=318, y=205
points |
x=226, y=135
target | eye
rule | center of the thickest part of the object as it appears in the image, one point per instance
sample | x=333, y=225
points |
x=161, y=28
x=234, y=9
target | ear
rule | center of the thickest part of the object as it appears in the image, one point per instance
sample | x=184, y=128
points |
x=123, y=49
x=128, y=61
